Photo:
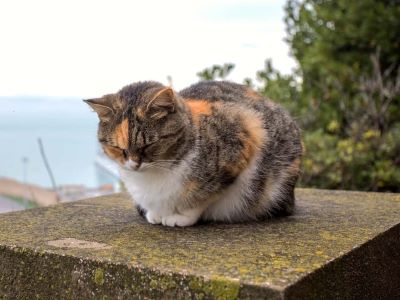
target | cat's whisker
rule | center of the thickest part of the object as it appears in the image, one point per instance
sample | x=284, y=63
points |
x=166, y=169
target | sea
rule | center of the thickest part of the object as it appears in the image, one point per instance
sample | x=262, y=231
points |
x=67, y=128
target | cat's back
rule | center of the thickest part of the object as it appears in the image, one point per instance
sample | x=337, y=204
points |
x=227, y=95
x=226, y=102
x=220, y=91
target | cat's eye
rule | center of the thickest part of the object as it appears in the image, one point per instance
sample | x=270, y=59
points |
x=125, y=153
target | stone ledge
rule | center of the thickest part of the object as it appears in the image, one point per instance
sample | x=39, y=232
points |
x=337, y=245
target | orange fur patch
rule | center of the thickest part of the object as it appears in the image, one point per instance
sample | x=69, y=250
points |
x=189, y=188
x=294, y=167
x=253, y=95
x=114, y=153
x=252, y=138
x=199, y=108
x=254, y=126
x=121, y=134
x=255, y=135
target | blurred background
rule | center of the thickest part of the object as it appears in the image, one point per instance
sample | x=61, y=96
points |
x=335, y=65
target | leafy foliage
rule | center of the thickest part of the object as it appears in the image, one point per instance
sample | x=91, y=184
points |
x=349, y=58
x=345, y=94
x=216, y=71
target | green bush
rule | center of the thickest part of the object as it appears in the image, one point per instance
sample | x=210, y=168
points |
x=345, y=94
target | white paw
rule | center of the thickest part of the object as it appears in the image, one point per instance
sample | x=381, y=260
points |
x=153, y=217
x=178, y=220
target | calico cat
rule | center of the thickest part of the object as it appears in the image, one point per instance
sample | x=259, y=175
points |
x=214, y=151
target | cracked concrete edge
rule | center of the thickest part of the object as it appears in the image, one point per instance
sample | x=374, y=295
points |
x=27, y=274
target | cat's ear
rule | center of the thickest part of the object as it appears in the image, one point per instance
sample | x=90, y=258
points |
x=102, y=106
x=162, y=103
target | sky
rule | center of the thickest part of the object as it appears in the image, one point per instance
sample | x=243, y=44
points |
x=90, y=48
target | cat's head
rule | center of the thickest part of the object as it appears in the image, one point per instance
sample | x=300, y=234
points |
x=142, y=125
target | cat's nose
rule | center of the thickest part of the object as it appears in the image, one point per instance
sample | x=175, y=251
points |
x=132, y=165
x=134, y=162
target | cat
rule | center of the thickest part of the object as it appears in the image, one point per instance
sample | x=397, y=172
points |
x=216, y=151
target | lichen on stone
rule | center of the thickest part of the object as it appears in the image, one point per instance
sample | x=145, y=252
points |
x=99, y=276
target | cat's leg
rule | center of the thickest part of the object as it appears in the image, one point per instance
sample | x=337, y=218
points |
x=153, y=217
x=184, y=218
x=285, y=201
x=285, y=205
x=141, y=211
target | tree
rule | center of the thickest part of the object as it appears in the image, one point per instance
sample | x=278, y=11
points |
x=349, y=58
x=333, y=41
x=345, y=94
x=216, y=72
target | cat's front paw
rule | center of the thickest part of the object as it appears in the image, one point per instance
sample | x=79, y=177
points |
x=153, y=217
x=178, y=220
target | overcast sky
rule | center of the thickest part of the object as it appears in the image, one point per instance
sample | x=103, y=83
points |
x=88, y=48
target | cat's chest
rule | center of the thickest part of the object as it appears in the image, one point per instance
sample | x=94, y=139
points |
x=155, y=189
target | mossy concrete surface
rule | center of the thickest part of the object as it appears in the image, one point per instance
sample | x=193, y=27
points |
x=338, y=245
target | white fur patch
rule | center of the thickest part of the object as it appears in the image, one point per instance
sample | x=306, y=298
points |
x=154, y=189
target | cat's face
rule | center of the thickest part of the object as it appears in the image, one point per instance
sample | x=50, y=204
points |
x=142, y=125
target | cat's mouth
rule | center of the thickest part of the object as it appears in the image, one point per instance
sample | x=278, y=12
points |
x=131, y=165
x=138, y=167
